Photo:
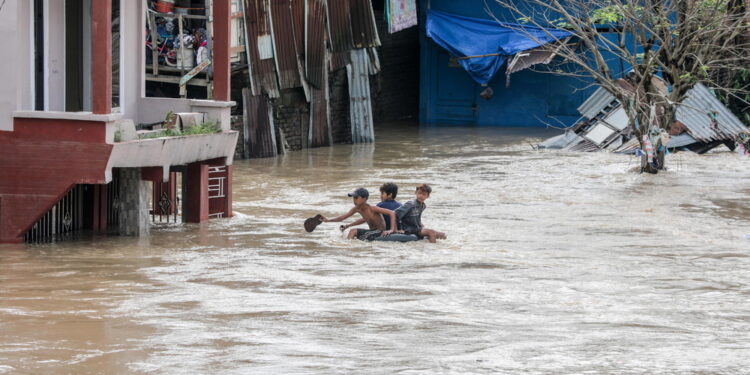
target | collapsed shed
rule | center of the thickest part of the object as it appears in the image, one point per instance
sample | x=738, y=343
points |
x=702, y=123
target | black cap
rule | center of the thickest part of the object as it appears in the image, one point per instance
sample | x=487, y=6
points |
x=360, y=192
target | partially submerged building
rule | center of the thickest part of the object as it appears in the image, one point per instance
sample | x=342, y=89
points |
x=323, y=72
x=458, y=71
x=76, y=106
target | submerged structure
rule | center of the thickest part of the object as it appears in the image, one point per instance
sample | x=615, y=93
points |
x=80, y=145
x=702, y=123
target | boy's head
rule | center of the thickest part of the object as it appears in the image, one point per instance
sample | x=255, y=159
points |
x=359, y=194
x=423, y=192
x=388, y=191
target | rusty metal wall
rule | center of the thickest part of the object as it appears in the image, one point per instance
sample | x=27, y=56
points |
x=284, y=43
x=364, y=29
x=360, y=106
x=320, y=129
x=339, y=26
x=259, y=128
x=315, y=42
x=260, y=48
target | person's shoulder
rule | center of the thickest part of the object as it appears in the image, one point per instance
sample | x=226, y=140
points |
x=410, y=203
x=390, y=204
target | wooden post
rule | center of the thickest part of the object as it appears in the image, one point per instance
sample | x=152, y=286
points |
x=101, y=57
x=222, y=17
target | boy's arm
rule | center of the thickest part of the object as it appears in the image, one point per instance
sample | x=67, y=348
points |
x=340, y=218
x=355, y=223
x=391, y=214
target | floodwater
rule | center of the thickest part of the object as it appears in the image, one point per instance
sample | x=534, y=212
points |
x=555, y=263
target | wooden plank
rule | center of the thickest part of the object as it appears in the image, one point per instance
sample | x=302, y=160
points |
x=187, y=77
x=154, y=44
x=176, y=80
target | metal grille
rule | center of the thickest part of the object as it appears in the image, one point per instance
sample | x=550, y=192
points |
x=64, y=218
x=113, y=200
x=166, y=200
x=217, y=177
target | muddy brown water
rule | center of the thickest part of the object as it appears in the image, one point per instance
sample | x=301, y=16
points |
x=555, y=263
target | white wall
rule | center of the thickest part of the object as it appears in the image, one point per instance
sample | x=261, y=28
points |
x=9, y=64
x=25, y=48
x=132, y=29
x=54, y=15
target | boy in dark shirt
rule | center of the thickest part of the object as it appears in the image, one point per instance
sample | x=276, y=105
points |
x=388, y=194
x=371, y=214
x=410, y=216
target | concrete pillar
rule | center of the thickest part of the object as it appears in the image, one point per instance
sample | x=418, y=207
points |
x=196, y=197
x=222, y=43
x=135, y=195
x=101, y=58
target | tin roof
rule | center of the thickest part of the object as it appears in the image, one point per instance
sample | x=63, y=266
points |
x=315, y=42
x=260, y=51
x=360, y=107
x=339, y=26
x=283, y=43
x=364, y=29
x=697, y=112
x=595, y=103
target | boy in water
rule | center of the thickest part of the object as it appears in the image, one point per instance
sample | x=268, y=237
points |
x=410, y=216
x=388, y=201
x=371, y=214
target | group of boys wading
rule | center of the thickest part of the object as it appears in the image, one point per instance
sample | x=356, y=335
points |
x=389, y=220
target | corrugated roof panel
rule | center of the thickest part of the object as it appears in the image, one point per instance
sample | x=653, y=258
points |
x=320, y=129
x=339, y=26
x=360, y=107
x=261, y=133
x=364, y=29
x=696, y=112
x=595, y=103
x=315, y=42
x=282, y=31
x=263, y=70
x=340, y=60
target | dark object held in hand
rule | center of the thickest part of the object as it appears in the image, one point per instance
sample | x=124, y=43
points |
x=313, y=222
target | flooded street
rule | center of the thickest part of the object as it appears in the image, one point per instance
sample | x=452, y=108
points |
x=555, y=263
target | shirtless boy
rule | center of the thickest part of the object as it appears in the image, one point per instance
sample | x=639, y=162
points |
x=371, y=214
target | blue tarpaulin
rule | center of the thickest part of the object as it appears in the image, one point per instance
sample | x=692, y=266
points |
x=466, y=36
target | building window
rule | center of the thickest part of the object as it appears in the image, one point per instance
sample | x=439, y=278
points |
x=178, y=49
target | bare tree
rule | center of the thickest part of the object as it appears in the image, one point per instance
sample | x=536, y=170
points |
x=681, y=41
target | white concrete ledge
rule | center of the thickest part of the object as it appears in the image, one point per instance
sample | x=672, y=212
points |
x=212, y=103
x=57, y=115
x=168, y=151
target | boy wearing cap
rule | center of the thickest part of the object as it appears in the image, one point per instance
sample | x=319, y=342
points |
x=410, y=216
x=371, y=214
x=388, y=192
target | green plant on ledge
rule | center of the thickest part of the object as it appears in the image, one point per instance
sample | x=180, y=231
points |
x=207, y=127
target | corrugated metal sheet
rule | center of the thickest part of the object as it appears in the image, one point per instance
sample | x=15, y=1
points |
x=259, y=129
x=696, y=111
x=595, y=103
x=364, y=29
x=315, y=42
x=263, y=71
x=339, y=26
x=360, y=107
x=339, y=60
x=320, y=129
x=285, y=53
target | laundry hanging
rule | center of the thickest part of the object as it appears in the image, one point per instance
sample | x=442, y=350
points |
x=489, y=43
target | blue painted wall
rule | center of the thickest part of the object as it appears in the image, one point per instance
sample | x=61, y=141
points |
x=449, y=96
